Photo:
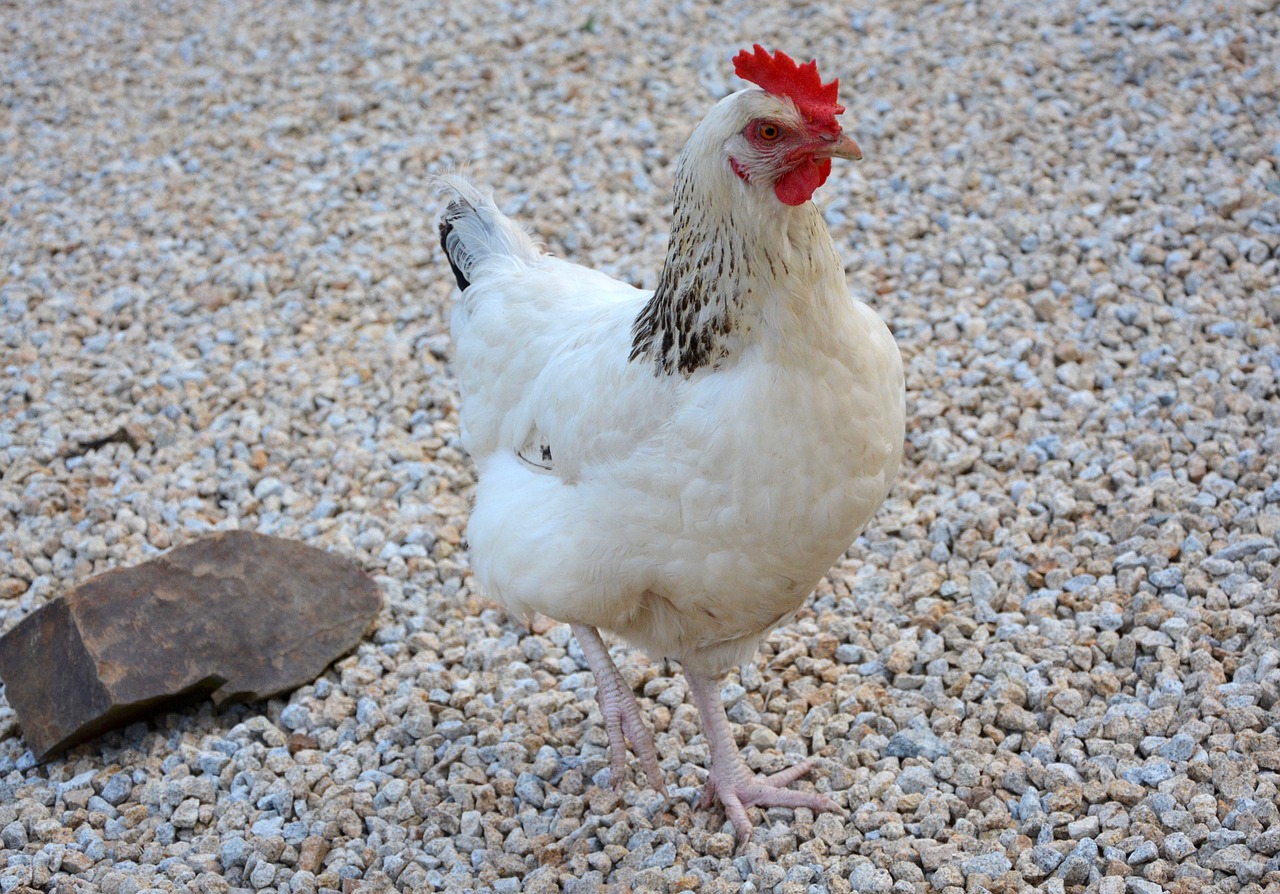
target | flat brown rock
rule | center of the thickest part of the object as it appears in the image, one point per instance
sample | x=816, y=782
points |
x=236, y=616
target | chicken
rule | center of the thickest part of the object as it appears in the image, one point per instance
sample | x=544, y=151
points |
x=680, y=466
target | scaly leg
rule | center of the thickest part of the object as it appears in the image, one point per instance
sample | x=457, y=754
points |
x=730, y=781
x=620, y=710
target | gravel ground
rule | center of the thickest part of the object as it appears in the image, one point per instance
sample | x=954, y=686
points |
x=1052, y=662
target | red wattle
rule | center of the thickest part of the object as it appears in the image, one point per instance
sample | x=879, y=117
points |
x=798, y=185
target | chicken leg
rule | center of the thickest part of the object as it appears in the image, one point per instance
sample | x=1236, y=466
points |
x=621, y=713
x=730, y=781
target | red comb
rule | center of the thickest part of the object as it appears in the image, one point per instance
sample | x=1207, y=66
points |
x=780, y=75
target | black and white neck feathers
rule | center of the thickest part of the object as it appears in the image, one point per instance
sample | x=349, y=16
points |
x=697, y=311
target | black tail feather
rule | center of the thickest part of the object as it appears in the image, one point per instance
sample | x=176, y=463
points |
x=446, y=227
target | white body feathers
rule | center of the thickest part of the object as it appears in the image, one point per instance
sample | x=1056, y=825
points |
x=687, y=511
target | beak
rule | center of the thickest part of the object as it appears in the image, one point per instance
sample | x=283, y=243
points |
x=841, y=146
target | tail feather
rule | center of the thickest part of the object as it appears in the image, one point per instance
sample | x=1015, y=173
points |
x=446, y=232
x=476, y=236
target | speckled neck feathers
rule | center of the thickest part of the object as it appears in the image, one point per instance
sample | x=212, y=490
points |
x=729, y=277
x=696, y=313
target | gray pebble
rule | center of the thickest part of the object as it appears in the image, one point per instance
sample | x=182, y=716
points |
x=234, y=852
x=262, y=875
x=865, y=877
x=1135, y=885
x=529, y=789
x=847, y=653
x=1085, y=827
x=14, y=836
x=1145, y=852
x=1046, y=858
x=992, y=864
x=295, y=717
x=1243, y=548
x=916, y=779
x=1180, y=747
x=211, y=763
x=117, y=789
x=186, y=814
x=663, y=857
x=917, y=743
x=1074, y=870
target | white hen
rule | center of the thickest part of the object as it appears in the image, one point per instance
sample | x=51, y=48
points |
x=680, y=466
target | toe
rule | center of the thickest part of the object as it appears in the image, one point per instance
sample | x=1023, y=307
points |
x=785, y=777
x=736, y=811
x=765, y=795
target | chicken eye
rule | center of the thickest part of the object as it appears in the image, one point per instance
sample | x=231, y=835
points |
x=768, y=132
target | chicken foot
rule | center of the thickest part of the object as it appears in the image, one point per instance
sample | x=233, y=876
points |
x=620, y=711
x=730, y=781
